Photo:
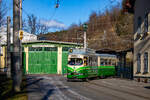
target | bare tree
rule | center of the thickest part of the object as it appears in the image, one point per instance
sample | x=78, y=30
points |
x=34, y=26
x=41, y=28
x=3, y=12
x=31, y=24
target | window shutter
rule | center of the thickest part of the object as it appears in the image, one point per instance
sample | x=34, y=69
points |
x=138, y=63
x=148, y=22
x=145, y=62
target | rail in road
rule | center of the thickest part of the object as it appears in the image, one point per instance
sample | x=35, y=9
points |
x=123, y=91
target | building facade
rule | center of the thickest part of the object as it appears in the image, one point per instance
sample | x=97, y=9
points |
x=141, y=38
x=141, y=59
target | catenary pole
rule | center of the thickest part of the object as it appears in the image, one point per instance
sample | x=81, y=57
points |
x=85, y=45
x=16, y=68
x=8, y=48
x=20, y=47
x=85, y=27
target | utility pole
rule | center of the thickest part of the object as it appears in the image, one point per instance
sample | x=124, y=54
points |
x=20, y=47
x=8, y=48
x=16, y=68
x=85, y=44
x=21, y=14
x=85, y=29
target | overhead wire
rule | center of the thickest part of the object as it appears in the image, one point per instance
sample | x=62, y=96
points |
x=57, y=4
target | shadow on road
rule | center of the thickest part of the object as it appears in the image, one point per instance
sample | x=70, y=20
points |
x=48, y=94
x=147, y=87
x=32, y=82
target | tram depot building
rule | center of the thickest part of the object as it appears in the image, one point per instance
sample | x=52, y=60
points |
x=42, y=57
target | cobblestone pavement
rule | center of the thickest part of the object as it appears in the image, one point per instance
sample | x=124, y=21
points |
x=54, y=87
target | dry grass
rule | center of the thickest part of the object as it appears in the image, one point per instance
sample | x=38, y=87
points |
x=6, y=92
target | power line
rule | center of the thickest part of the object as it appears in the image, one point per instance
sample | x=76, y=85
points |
x=53, y=14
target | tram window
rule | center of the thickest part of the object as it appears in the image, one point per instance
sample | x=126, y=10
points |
x=113, y=63
x=75, y=61
x=102, y=62
x=90, y=59
x=89, y=63
x=96, y=61
x=105, y=62
x=109, y=62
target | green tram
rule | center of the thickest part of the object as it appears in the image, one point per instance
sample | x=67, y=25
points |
x=85, y=63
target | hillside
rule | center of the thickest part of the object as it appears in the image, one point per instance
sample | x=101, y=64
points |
x=110, y=30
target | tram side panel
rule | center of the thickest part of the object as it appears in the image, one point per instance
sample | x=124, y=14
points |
x=106, y=68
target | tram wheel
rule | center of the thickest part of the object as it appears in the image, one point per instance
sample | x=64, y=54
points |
x=102, y=77
x=85, y=79
x=68, y=80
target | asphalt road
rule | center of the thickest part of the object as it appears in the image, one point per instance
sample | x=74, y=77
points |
x=52, y=87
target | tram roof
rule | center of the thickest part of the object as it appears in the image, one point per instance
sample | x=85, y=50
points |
x=83, y=51
x=107, y=55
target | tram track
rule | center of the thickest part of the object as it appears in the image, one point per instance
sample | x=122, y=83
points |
x=66, y=92
x=118, y=90
x=101, y=91
x=57, y=88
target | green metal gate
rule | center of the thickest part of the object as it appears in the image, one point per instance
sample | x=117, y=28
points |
x=24, y=62
x=64, y=59
x=42, y=60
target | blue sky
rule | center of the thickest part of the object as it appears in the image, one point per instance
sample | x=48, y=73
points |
x=69, y=11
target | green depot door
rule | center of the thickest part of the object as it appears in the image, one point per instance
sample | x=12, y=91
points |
x=42, y=60
x=24, y=62
x=64, y=59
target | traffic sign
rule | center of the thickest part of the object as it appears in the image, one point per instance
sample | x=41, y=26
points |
x=21, y=34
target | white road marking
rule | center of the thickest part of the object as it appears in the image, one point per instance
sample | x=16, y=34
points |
x=108, y=83
x=57, y=91
x=80, y=97
x=76, y=94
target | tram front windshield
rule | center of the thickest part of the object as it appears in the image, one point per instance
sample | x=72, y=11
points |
x=75, y=61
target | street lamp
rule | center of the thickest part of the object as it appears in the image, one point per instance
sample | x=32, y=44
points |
x=85, y=27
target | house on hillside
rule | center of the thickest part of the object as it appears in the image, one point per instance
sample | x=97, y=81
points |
x=141, y=11
x=26, y=36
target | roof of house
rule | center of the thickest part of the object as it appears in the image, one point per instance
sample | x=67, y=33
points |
x=26, y=36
